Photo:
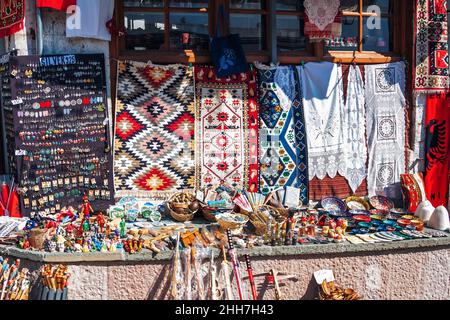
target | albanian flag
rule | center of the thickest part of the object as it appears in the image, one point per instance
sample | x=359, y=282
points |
x=437, y=159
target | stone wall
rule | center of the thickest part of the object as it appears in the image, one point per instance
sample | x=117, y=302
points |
x=398, y=274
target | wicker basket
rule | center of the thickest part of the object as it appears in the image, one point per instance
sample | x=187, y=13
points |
x=227, y=224
x=37, y=238
x=174, y=207
x=208, y=213
x=279, y=211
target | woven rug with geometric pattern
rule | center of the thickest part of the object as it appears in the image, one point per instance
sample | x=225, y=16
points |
x=227, y=130
x=154, y=130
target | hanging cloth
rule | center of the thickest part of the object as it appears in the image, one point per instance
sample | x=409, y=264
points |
x=355, y=130
x=385, y=117
x=61, y=5
x=323, y=102
x=437, y=149
x=90, y=20
x=322, y=19
x=431, y=58
x=417, y=155
x=12, y=15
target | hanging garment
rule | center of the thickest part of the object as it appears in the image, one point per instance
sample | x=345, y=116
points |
x=61, y=5
x=226, y=130
x=12, y=17
x=355, y=130
x=89, y=20
x=323, y=103
x=431, y=67
x=385, y=116
x=322, y=19
x=417, y=158
x=279, y=162
x=437, y=149
x=153, y=147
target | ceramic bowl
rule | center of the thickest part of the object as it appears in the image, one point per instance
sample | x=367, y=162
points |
x=359, y=212
x=408, y=217
x=403, y=222
x=362, y=218
x=365, y=225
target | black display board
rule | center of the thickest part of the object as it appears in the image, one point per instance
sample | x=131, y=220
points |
x=6, y=120
x=62, y=141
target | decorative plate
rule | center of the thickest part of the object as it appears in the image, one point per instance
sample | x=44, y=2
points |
x=362, y=218
x=359, y=212
x=333, y=203
x=376, y=217
x=379, y=212
x=355, y=203
x=399, y=211
x=382, y=203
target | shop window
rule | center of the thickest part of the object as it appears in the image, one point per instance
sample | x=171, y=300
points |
x=153, y=27
x=290, y=25
x=166, y=25
x=366, y=26
x=248, y=18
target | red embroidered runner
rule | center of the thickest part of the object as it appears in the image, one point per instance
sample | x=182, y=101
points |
x=12, y=13
x=431, y=72
x=437, y=149
x=227, y=130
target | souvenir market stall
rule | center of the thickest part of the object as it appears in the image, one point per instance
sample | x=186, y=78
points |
x=225, y=181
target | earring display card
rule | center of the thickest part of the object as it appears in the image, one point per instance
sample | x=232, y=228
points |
x=62, y=145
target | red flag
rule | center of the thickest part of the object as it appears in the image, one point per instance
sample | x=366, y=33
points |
x=437, y=149
x=61, y=5
x=14, y=206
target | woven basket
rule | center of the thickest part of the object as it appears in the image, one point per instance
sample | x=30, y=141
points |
x=279, y=211
x=172, y=206
x=37, y=238
x=180, y=217
x=208, y=213
x=227, y=224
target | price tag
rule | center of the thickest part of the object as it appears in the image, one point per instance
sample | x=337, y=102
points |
x=323, y=275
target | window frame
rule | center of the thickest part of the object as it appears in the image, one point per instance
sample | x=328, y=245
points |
x=313, y=52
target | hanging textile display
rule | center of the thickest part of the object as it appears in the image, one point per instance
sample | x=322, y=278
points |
x=153, y=150
x=417, y=157
x=431, y=68
x=385, y=117
x=300, y=138
x=277, y=140
x=355, y=130
x=12, y=17
x=227, y=130
x=437, y=149
x=89, y=20
x=322, y=19
x=323, y=102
